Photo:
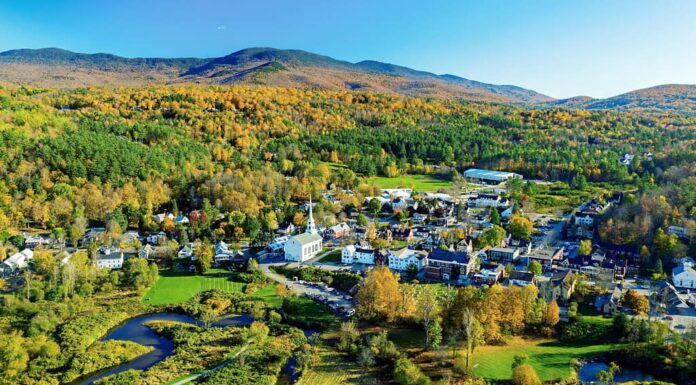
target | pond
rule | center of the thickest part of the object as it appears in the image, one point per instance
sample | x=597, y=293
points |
x=135, y=330
x=587, y=373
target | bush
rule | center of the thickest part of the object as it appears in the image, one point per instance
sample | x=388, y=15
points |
x=525, y=375
x=406, y=373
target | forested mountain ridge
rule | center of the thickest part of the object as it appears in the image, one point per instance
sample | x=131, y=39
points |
x=667, y=97
x=260, y=66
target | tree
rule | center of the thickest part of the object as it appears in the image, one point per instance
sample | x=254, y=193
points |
x=607, y=376
x=204, y=257
x=495, y=216
x=13, y=355
x=552, y=314
x=378, y=295
x=525, y=375
x=585, y=247
x=493, y=236
x=473, y=333
x=535, y=267
x=636, y=301
x=520, y=227
x=374, y=206
x=362, y=220
x=428, y=309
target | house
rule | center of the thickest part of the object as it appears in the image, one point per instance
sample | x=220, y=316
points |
x=304, y=246
x=400, y=260
x=158, y=218
x=146, y=252
x=223, y=253
x=17, y=262
x=358, y=253
x=277, y=244
x=584, y=218
x=489, y=274
x=181, y=220
x=286, y=228
x=626, y=159
x=93, y=234
x=36, y=240
x=156, y=239
x=487, y=200
x=558, y=286
x=450, y=265
x=504, y=254
x=338, y=231
x=684, y=276
x=521, y=278
x=109, y=258
x=609, y=303
x=385, y=234
x=421, y=232
x=679, y=231
x=419, y=218
x=403, y=234
x=187, y=251
x=446, y=221
x=404, y=203
x=546, y=256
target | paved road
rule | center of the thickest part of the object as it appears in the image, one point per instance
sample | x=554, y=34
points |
x=216, y=367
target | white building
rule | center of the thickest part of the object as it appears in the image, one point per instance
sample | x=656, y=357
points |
x=302, y=247
x=489, y=176
x=358, y=254
x=684, y=276
x=487, y=200
x=400, y=260
x=110, y=258
x=17, y=262
x=584, y=218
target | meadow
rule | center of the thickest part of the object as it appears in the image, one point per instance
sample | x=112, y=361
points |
x=423, y=183
x=172, y=287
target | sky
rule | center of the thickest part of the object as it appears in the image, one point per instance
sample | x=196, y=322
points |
x=561, y=48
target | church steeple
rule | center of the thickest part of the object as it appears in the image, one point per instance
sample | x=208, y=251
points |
x=311, y=227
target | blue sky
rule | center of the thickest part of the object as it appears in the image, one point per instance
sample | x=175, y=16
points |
x=561, y=48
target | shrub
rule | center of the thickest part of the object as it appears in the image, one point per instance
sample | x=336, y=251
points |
x=525, y=375
x=406, y=373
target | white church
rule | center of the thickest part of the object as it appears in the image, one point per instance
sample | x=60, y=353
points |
x=302, y=247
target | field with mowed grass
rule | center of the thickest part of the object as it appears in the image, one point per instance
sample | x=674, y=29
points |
x=334, y=368
x=172, y=287
x=550, y=358
x=416, y=182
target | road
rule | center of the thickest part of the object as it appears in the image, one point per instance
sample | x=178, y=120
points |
x=216, y=367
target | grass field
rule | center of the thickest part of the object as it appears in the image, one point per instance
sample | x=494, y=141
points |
x=334, y=369
x=550, y=358
x=174, y=287
x=334, y=256
x=416, y=182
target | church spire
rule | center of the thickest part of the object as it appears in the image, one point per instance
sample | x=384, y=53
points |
x=311, y=227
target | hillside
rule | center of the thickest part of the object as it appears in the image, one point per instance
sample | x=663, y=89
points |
x=259, y=66
x=669, y=97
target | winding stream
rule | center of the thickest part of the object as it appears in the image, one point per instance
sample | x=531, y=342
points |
x=135, y=330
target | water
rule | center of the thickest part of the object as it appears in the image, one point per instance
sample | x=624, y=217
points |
x=588, y=373
x=135, y=330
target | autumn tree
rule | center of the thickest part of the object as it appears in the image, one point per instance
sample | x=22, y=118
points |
x=525, y=375
x=636, y=301
x=585, y=247
x=552, y=314
x=378, y=295
x=520, y=227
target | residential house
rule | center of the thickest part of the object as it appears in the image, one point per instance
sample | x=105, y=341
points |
x=358, y=253
x=158, y=218
x=450, y=265
x=286, y=228
x=446, y=221
x=156, y=239
x=684, y=276
x=626, y=159
x=521, y=278
x=487, y=200
x=403, y=234
x=146, y=252
x=181, y=220
x=109, y=258
x=400, y=260
x=609, y=303
x=419, y=218
x=187, y=251
x=385, y=234
x=338, y=231
x=489, y=274
x=17, y=262
x=36, y=240
x=558, y=286
x=223, y=253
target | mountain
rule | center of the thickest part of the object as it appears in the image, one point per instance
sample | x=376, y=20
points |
x=664, y=98
x=265, y=66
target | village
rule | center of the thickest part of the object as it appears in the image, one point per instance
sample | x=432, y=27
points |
x=475, y=238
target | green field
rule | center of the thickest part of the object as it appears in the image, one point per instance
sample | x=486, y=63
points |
x=550, y=358
x=334, y=256
x=174, y=287
x=416, y=182
x=334, y=369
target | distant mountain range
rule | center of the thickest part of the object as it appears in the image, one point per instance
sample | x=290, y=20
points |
x=53, y=67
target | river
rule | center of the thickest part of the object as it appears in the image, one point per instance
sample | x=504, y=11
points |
x=135, y=330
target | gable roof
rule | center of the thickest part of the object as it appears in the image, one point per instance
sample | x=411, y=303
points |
x=521, y=276
x=449, y=256
x=306, y=238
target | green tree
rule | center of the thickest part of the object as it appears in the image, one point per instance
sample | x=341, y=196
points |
x=585, y=247
x=535, y=267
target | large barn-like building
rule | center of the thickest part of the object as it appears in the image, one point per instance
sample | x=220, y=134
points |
x=489, y=176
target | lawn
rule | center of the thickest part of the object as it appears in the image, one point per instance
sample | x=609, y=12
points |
x=174, y=287
x=334, y=257
x=550, y=358
x=416, y=182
